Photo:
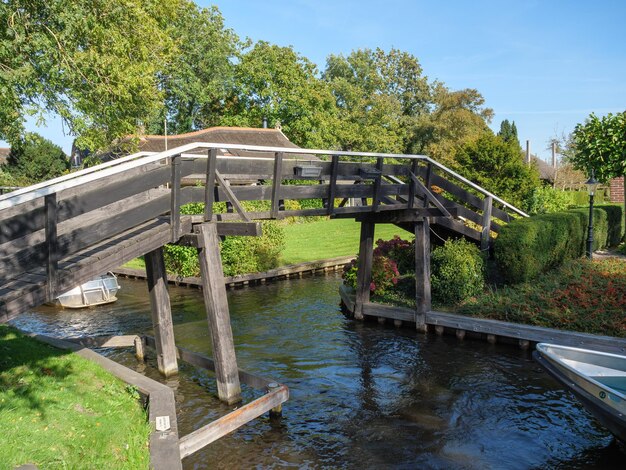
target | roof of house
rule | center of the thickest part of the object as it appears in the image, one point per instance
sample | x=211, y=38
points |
x=4, y=153
x=226, y=135
x=546, y=171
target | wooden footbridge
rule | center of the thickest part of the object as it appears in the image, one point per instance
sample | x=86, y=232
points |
x=63, y=232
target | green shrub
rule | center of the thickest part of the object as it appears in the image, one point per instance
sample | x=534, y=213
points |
x=615, y=219
x=241, y=255
x=528, y=247
x=457, y=272
x=181, y=260
x=545, y=200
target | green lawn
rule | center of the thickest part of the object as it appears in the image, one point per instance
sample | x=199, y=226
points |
x=312, y=241
x=59, y=410
x=323, y=239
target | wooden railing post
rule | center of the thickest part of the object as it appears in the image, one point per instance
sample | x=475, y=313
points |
x=378, y=181
x=218, y=316
x=484, y=236
x=412, y=185
x=332, y=187
x=175, y=200
x=52, y=262
x=161, y=312
x=427, y=180
x=209, y=186
x=278, y=176
x=422, y=273
x=364, y=272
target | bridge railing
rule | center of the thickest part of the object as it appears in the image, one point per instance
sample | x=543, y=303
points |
x=46, y=224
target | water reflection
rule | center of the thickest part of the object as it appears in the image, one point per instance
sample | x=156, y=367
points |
x=362, y=395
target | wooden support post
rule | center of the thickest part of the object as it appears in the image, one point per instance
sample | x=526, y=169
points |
x=278, y=171
x=484, y=236
x=216, y=304
x=161, y=313
x=460, y=334
x=277, y=411
x=52, y=263
x=364, y=276
x=439, y=330
x=209, y=186
x=492, y=339
x=175, y=200
x=422, y=273
x=139, y=349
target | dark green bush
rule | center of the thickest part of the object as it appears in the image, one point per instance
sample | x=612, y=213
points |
x=457, y=272
x=528, y=247
x=615, y=219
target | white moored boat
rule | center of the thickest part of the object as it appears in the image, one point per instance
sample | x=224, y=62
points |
x=98, y=291
x=598, y=379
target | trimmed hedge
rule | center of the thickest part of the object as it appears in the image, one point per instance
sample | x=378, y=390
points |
x=528, y=247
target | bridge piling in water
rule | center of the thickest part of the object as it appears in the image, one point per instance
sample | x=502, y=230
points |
x=218, y=316
x=161, y=312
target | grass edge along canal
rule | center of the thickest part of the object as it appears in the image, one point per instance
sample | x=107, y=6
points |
x=60, y=410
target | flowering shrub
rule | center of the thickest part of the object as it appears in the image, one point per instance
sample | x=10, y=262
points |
x=399, y=250
x=385, y=274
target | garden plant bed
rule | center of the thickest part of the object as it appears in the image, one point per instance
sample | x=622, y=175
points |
x=582, y=295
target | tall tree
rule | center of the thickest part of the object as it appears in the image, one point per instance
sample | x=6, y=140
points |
x=379, y=95
x=600, y=145
x=458, y=117
x=199, y=76
x=508, y=132
x=279, y=84
x=34, y=159
x=94, y=63
x=496, y=165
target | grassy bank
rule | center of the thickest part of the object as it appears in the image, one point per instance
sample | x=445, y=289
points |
x=582, y=295
x=59, y=410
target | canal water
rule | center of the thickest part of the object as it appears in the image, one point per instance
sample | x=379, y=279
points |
x=362, y=395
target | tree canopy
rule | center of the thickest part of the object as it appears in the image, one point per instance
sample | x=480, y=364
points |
x=94, y=63
x=35, y=159
x=498, y=166
x=508, y=132
x=277, y=83
x=600, y=145
x=198, y=77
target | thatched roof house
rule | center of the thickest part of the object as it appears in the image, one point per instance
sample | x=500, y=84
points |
x=227, y=135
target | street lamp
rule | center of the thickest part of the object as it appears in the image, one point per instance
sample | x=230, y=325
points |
x=592, y=185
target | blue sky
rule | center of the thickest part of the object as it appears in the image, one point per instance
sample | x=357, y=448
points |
x=546, y=65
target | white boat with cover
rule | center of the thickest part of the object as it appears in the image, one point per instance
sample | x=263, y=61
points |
x=597, y=378
x=98, y=291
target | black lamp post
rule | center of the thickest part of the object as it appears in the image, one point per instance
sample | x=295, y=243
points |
x=592, y=184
